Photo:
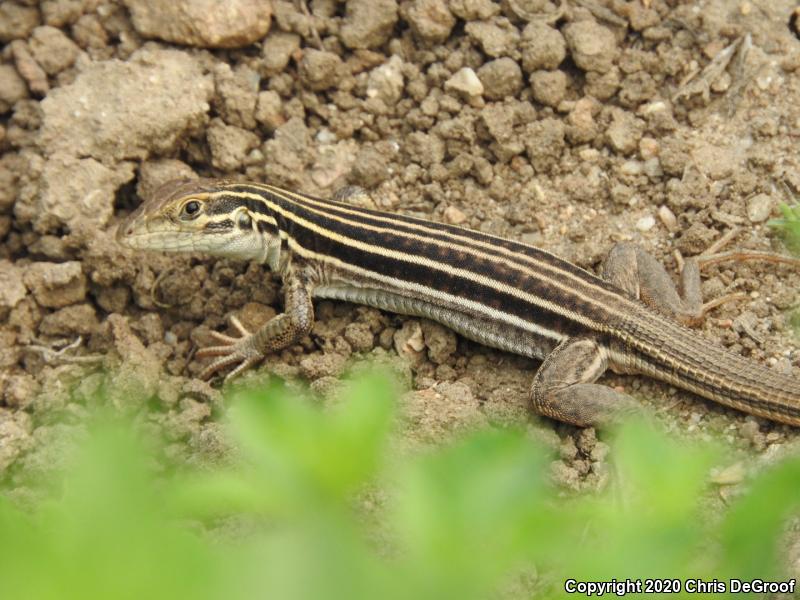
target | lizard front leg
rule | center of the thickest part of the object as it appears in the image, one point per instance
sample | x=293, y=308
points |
x=276, y=334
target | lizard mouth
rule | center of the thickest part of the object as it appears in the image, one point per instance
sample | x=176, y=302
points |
x=139, y=236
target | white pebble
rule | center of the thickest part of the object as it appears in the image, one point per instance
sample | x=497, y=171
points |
x=466, y=81
x=759, y=208
x=631, y=167
x=646, y=223
x=668, y=218
x=454, y=215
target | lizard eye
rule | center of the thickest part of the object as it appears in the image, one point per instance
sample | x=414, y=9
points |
x=244, y=221
x=191, y=209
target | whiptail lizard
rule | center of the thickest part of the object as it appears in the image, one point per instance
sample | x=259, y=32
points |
x=501, y=293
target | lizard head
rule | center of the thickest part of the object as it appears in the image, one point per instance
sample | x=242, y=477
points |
x=200, y=215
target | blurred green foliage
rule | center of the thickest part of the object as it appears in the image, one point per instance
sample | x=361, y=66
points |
x=322, y=504
x=789, y=227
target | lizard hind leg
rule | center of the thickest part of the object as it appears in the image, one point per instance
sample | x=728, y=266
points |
x=631, y=268
x=564, y=387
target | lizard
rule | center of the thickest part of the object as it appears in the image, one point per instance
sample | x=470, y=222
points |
x=515, y=297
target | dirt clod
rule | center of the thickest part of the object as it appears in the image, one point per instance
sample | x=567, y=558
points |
x=500, y=78
x=430, y=20
x=17, y=20
x=137, y=379
x=202, y=23
x=78, y=319
x=52, y=49
x=549, y=87
x=237, y=93
x=592, y=46
x=55, y=285
x=29, y=69
x=229, y=145
x=269, y=110
x=12, y=88
x=320, y=70
x=12, y=288
x=496, y=38
x=440, y=341
x=543, y=47
x=277, y=50
x=163, y=91
x=624, y=132
x=19, y=391
x=368, y=23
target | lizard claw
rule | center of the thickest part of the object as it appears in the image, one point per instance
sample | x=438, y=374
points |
x=230, y=351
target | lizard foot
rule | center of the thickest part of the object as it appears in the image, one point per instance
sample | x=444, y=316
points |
x=239, y=351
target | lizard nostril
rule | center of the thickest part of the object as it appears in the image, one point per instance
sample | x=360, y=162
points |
x=123, y=232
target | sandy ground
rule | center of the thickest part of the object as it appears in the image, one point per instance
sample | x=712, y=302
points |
x=569, y=125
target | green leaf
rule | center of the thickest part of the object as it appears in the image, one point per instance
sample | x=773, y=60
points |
x=752, y=528
x=468, y=514
x=306, y=456
x=788, y=226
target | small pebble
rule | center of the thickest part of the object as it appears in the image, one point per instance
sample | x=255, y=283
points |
x=465, y=81
x=722, y=83
x=646, y=223
x=648, y=148
x=454, y=215
x=652, y=168
x=668, y=218
x=631, y=167
x=763, y=82
x=759, y=208
x=652, y=108
x=730, y=475
x=326, y=136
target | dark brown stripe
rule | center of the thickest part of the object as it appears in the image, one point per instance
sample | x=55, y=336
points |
x=447, y=255
x=219, y=226
x=442, y=231
x=435, y=279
